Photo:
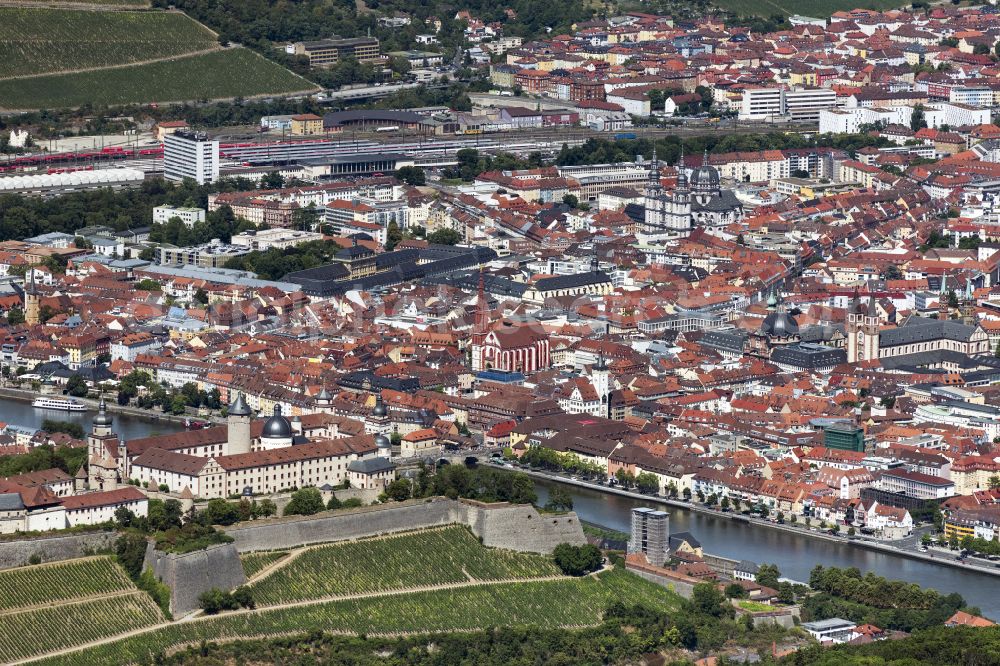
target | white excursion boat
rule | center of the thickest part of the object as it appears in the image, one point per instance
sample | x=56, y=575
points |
x=62, y=404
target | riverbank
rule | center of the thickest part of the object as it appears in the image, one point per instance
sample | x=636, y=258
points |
x=758, y=522
x=23, y=395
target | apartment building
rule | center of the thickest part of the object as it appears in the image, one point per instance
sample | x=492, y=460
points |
x=214, y=254
x=266, y=239
x=326, y=52
x=189, y=216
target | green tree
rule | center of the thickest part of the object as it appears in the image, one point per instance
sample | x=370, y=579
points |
x=74, y=430
x=305, y=502
x=272, y=181
x=559, y=500
x=577, y=560
x=399, y=490
x=708, y=600
x=215, y=600
x=767, y=575
x=77, y=386
x=177, y=405
x=148, y=285
x=392, y=236
x=130, y=551
x=647, y=482
x=735, y=591
x=571, y=200
x=264, y=509
x=917, y=120
x=412, y=175
x=444, y=237
x=15, y=316
x=220, y=512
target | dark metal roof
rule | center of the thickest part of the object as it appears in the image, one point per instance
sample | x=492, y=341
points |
x=731, y=341
x=809, y=356
x=370, y=466
x=277, y=426
x=572, y=281
x=923, y=329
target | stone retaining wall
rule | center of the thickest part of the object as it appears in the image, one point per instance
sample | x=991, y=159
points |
x=683, y=588
x=55, y=548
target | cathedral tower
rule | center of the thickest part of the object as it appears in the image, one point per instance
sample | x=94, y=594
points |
x=862, y=330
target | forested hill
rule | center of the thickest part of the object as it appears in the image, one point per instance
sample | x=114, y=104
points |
x=261, y=24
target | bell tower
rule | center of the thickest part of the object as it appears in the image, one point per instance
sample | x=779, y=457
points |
x=102, y=452
x=32, y=305
x=481, y=326
x=862, y=330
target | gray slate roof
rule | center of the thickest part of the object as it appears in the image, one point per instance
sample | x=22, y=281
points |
x=923, y=329
x=370, y=466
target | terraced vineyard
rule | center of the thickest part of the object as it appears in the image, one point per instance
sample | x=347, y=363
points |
x=31, y=586
x=33, y=632
x=435, y=557
x=234, y=72
x=545, y=604
x=253, y=563
x=42, y=40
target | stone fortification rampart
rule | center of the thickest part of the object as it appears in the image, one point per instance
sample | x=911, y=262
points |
x=188, y=575
x=515, y=527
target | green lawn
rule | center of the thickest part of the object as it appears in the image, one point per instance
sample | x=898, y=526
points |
x=43, y=41
x=235, y=72
x=814, y=8
x=545, y=604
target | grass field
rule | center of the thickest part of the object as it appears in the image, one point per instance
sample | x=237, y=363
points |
x=814, y=8
x=255, y=562
x=42, y=41
x=235, y=72
x=435, y=557
x=30, y=586
x=546, y=604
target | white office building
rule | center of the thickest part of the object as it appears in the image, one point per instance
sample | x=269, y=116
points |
x=798, y=104
x=189, y=216
x=192, y=155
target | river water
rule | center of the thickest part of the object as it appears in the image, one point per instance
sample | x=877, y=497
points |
x=16, y=412
x=794, y=554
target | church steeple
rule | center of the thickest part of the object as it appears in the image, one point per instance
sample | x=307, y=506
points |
x=682, y=179
x=32, y=307
x=653, y=177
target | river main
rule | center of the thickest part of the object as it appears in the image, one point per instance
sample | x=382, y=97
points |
x=794, y=554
